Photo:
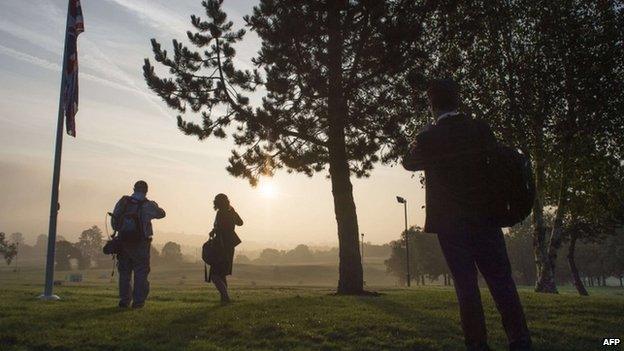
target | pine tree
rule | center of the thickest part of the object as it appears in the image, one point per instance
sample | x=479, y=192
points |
x=332, y=78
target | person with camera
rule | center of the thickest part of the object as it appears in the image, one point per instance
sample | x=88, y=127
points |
x=225, y=240
x=131, y=219
x=458, y=210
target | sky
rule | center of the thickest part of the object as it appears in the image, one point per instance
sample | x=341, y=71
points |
x=125, y=133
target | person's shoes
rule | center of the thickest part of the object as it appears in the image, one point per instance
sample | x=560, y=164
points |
x=137, y=305
x=521, y=345
x=226, y=301
x=123, y=305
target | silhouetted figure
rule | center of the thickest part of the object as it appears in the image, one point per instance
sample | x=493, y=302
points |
x=131, y=219
x=225, y=236
x=451, y=152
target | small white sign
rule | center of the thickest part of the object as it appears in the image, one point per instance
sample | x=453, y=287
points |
x=611, y=342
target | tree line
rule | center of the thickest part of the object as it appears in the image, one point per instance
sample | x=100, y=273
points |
x=303, y=254
x=594, y=261
x=87, y=252
x=83, y=254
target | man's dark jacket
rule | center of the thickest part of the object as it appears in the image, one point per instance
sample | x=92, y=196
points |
x=452, y=154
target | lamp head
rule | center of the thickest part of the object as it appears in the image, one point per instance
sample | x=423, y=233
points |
x=401, y=200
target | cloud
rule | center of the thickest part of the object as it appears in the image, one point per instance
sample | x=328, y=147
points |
x=154, y=15
x=161, y=18
x=146, y=148
x=34, y=37
x=98, y=60
x=92, y=58
x=39, y=62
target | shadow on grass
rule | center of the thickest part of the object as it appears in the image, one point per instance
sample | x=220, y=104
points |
x=425, y=326
x=308, y=322
x=406, y=313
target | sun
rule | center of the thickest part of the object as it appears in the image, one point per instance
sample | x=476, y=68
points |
x=267, y=189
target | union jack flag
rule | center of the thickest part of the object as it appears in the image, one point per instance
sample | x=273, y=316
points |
x=75, y=26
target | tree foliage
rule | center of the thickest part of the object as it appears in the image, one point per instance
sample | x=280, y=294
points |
x=17, y=238
x=549, y=77
x=90, y=244
x=65, y=252
x=426, y=259
x=519, y=242
x=41, y=243
x=7, y=250
x=171, y=253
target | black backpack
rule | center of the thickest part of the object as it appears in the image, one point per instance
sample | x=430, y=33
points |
x=212, y=251
x=128, y=224
x=511, y=185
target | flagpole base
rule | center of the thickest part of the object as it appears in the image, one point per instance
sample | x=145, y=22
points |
x=44, y=297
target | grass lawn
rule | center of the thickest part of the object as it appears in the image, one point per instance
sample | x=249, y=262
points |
x=298, y=318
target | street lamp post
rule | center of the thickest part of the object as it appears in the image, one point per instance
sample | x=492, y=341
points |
x=362, y=250
x=403, y=201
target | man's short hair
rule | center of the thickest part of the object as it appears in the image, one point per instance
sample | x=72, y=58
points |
x=140, y=186
x=443, y=94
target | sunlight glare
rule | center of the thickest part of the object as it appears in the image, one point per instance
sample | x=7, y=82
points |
x=267, y=189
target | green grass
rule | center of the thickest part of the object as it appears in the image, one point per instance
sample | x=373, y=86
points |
x=296, y=318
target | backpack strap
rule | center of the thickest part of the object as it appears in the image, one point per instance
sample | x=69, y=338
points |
x=115, y=217
x=125, y=199
x=140, y=204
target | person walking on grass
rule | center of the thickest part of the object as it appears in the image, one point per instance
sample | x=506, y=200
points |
x=131, y=219
x=450, y=153
x=226, y=238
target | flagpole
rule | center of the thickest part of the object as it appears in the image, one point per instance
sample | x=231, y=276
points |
x=56, y=175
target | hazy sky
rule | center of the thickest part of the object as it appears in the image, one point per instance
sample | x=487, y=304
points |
x=124, y=133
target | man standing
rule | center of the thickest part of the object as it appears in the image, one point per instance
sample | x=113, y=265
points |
x=452, y=154
x=132, y=218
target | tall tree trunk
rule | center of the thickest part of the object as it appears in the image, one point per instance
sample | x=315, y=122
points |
x=544, y=272
x=548, y=282
x=350, y=267
x=566, y=168
x=576, y=278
